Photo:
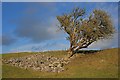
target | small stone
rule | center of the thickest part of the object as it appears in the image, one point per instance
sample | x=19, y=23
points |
x=42, y=62
x=16, y=64
x=48, y=58
x=51, y=65
x=25, y=67
x=37, y=68
x=29, y=58
x=60, y=65
x=48, y=69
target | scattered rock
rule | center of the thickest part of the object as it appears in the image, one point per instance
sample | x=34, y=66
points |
x=39, y=62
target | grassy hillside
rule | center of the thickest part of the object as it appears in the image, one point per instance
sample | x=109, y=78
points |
x=101, y=64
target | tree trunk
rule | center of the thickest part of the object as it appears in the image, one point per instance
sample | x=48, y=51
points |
x=70, y=52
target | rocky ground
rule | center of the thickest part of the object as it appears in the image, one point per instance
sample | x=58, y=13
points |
x=39, y=62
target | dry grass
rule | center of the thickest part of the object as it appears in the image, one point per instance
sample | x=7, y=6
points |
x=102, y=64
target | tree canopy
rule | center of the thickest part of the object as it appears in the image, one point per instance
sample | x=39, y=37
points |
x=84, y=31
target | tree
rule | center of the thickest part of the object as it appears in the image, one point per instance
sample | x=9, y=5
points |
x=84, y=31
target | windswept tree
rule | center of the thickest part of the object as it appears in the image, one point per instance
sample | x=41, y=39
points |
x=84, y=31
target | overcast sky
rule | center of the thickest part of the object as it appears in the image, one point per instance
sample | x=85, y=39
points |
x=33, y=26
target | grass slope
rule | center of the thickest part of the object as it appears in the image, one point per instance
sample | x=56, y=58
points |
x=102, y=64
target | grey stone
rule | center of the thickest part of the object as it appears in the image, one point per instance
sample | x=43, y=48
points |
x=51, y=65
x=39, y=62
x=60, y=65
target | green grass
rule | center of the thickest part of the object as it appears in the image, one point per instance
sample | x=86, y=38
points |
x=101, y=64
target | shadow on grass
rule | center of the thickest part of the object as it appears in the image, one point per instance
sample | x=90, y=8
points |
x=87, y=51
